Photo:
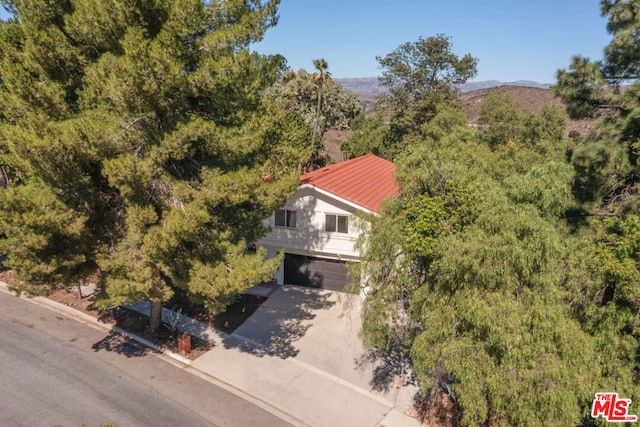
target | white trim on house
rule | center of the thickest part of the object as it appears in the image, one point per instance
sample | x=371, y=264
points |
x=338, y=198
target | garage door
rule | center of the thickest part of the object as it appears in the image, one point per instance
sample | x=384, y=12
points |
x=315, y=272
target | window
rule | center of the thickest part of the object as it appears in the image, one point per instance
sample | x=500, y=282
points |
x=285, y=218
x=339, y=223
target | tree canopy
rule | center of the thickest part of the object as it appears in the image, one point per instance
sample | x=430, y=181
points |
x=507, y=269
x=608, y=89
x=467, y=271
x=136, y=140
x=422, y=75
x=421, y=78
x=297, y=92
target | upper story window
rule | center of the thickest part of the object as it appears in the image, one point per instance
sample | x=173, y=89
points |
x=336, y=223
x=285, y=218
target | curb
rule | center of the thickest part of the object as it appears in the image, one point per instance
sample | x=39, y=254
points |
x=184, y=362
x=392, y=416
x=180, y=358
x=92, y=321
x=257, y=401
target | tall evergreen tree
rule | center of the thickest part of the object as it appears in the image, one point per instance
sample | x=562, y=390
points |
x=137, y=138
x=607, y=184
x=421, y=77
x=609, y=89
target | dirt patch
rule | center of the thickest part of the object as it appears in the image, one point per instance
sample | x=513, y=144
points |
x=226, y=321
x=437, y=410
x=7, y=276
x=137, y=323
x=332, y=140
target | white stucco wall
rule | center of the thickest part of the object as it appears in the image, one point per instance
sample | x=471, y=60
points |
x=309, y=237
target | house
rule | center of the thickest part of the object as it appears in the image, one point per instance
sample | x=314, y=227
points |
x=316, y=227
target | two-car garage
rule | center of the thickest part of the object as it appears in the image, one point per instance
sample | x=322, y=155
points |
x=316, y=272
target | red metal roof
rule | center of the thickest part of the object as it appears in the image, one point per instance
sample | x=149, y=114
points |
x=365, y=181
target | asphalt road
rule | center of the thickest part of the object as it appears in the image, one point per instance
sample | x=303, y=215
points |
x=55, y=371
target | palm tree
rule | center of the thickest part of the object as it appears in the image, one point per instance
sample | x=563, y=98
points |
x=321, y=66
x=4, y=179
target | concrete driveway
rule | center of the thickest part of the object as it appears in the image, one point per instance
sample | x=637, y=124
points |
x=316, y=327
x=301, y=353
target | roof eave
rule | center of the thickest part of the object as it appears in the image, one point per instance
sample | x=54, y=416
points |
x=336, y=197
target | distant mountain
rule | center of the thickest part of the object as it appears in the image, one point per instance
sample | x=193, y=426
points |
x=488, y=84
x=368, y=87
x=364, y=87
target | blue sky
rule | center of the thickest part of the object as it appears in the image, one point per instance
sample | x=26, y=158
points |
x=512, y=39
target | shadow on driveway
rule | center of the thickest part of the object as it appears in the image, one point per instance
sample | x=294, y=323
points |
x=281, y=321
x=387, y=369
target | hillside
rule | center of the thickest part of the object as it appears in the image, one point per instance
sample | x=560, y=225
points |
x=529, y=98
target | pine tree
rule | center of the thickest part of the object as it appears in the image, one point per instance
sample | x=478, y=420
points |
x=609, y=89
x=137, y=138
x=607, y=171
x=421, y=77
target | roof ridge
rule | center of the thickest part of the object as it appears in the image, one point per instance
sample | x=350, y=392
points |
x=364, y=180
x=345, y=163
